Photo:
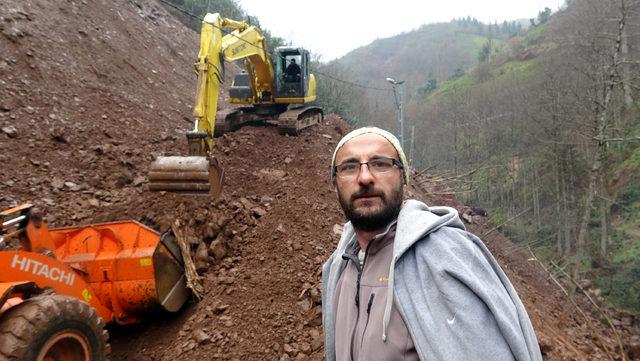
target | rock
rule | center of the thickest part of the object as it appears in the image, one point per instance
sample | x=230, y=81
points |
x=467, y=218
x=94, y=202
x=221, y=308
x=288, y=160
x=626, y=321
x=314, y=317
x=633, y=349
x=72, y=186
x=266, y=200
x=337, y=229
x=226, y=280
x=49, y=201
x=305, y=348
x=10, y=131
x=290, y=350
x=275, y=174
x=296, y=245
x=281, y=229
x=477, y=211
x=285, y=357
x=201, y=258
x=211, y=230
x=246, y=203
x=305, y=304
x=315, y=295
x=201, y=337
x=585, y=284
x=139, y=180
x=58, y=135
x=57, y=183
x=217, y=249
x=258, y=211
x=102, y=149
x=316, y=339
x=327, y=136
x=222, y=221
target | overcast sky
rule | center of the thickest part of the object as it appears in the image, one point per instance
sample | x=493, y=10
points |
x=335, y=27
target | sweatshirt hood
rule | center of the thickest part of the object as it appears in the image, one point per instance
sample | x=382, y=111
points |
x=415, y=221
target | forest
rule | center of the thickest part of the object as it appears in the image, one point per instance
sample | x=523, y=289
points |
x=536, y=121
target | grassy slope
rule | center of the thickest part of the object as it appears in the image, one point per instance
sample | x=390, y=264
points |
x=621, y=281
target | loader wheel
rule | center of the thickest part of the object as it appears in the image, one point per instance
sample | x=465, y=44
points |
x=52, y=328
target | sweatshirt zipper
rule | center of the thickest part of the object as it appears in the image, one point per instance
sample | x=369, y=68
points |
x=369, y=304
x=360, y=269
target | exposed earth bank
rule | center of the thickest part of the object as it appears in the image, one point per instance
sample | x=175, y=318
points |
x=91, y=92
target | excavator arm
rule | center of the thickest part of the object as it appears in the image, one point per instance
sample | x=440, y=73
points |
x=244, y=42
x=200, y=172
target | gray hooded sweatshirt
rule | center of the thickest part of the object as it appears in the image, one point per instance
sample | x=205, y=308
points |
x=455, y=300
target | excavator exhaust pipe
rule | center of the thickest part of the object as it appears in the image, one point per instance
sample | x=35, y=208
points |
x=191, y=174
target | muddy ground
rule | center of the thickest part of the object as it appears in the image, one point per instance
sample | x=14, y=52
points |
x=92, y=91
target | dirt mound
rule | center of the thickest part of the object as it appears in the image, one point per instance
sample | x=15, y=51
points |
x=90, y=92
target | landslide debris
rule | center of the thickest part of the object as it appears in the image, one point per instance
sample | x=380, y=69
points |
x=91, y=92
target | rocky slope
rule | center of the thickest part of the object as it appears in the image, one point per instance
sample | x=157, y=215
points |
x=90, y=92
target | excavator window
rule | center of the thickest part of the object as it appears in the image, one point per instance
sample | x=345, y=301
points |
x=292, y=71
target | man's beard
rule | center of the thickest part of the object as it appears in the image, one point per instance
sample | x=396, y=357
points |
x=371, y=221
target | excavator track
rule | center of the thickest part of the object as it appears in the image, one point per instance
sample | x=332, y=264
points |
x=227, y=120
x=293, y=121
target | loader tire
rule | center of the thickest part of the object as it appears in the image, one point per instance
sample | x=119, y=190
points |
x=52, y=327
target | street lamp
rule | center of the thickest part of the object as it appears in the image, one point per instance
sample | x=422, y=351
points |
x=399, y=97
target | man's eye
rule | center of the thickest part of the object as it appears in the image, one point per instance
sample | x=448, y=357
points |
x=380, y=164
x=347, y=167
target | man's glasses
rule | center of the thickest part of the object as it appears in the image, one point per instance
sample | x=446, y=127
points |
x=378, y=165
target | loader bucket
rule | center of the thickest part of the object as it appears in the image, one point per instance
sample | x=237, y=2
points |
x=191, y=174
x=171, y=280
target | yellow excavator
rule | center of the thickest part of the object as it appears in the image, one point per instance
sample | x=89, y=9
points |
x=279, y=91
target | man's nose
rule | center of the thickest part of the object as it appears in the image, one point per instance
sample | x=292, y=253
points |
x=365, y=177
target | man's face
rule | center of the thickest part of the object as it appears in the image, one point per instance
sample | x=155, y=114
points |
x=369, y=200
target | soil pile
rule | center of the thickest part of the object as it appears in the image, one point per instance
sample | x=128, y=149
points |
x=91, y=92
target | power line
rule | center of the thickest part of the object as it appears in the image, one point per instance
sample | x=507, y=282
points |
x=271, y=54
x=351, y=83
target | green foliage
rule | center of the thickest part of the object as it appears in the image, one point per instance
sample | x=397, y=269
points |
x=485, y=51
x=226, y=8
x=457, y=73
x=544, y=15
x=633, y=161
x=630, y=194
x=621, y=285
x=428, y=87
x=455, y=85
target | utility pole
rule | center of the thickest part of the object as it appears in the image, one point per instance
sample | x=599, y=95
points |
x=413, y=133
x=399, y=104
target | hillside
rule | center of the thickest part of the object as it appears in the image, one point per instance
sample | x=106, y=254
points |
x=433, y=51
x=91, y=92
x=522, y=115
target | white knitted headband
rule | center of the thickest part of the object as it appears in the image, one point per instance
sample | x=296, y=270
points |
x=381, y=132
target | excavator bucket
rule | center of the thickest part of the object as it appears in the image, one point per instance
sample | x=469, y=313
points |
x=190, y=174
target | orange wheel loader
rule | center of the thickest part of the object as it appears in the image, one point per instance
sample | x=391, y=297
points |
x=58, y=287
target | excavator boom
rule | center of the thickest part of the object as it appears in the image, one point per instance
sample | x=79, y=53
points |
x=271, y=93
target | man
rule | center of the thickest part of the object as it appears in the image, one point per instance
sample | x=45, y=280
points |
x=292, y=72
x=407, y=282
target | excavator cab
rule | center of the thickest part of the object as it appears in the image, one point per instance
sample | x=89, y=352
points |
x=292, y=72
